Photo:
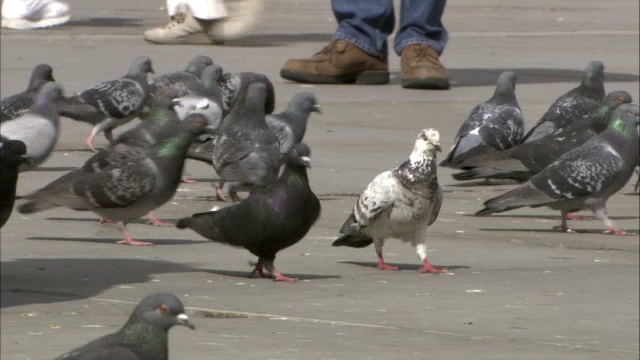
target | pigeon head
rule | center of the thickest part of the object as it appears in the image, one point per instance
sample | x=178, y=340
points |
x=211, y=75
x=40, y=75
x=625, y=120
x=594, y=73
x=305, y=102
x=198, y=64
x=186, y=105
x=617, y=98
x=161, y=310
x=428, y=141
x=300, y=155
x=164, y=97
x=13, y=152
x=507, y=80
x=48, y=94
x=141, y=65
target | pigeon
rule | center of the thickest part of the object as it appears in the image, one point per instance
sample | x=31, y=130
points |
x=13, y=153
x=123, y=190
x=144, y=336
x=496, y=124
x=234, y=84
x=399, y=203
x=246, y=152
x=270, y=219
x=573, y=105
x=110, y=104
x=13, y=106
x=583, y=178
x=39, y=128
x=182, y=81
x=291, y=124
x=520, y=163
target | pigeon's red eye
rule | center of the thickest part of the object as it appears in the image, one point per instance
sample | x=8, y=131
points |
x=163, y=309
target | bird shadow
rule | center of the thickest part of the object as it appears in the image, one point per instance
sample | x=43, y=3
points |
x=245, y=275
x=54, y=168
x=555, y=217
x=41, y=281
x=108, y=22
x=553, y=231
x=271, y=40
x=415, y=267
x=154, y=241
x=478, y=183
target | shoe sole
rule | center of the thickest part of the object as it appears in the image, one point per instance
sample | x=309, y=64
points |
x=426, y=83
x=193, y=39
x=22, y=24
x=363, y=78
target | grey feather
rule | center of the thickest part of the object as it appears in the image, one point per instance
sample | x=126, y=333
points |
x=15, y=105
x=291, y=124
x=234, y=84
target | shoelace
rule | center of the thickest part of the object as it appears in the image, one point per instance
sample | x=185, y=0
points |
x=176, y=20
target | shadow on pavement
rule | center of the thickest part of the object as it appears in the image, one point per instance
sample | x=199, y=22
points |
x=105, y=22
x=245, y=275
x=414, y=267
x=155, y=241
x=38, y=281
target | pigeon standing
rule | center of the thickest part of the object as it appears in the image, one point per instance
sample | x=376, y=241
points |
x=110, y=104
x=583, y=178
x=15, y=105
x=520, y=163
x=270, y=219
x=573, y=105
x=144, y=336
x=39, y=128
x=233, y=85
x=126, y=189
x=12, y=154
x=291, y=124
x=182, y=81
x=496, y=124
x=245, y=151
x=400, y=203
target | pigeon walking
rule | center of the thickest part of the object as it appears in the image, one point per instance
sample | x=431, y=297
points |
x=38, y=129
x=126, y=189
x=400, y=203
x=583, y=178
x=110, y=104
x=182, y=81
x=573, y=105
x=12, y=154
x=520, y=163
x=144, y=336
x=245, y=151
x=15, y=105
x=291, y=124
x=269, y=220
x=496, y=124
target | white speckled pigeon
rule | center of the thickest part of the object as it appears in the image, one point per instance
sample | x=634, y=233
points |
x=583, y=178
x=496, y=124
x=291, y=124
x=400, y=203
x=573, y=105
x=145, y=336
x=15, y=105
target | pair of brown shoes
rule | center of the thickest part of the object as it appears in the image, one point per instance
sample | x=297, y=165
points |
x=342, y=62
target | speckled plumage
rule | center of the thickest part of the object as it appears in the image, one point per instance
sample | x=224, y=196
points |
x=573, y=105
x=399, y=203
x=583, y=178
x=15, y=105
x=185, y=80
x=234, y=84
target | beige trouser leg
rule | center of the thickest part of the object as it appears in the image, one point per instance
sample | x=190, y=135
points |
x=201, y=9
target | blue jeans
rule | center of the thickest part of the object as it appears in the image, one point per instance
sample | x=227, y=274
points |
x=368, y=23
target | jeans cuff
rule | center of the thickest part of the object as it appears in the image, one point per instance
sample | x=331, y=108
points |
x=436, y=45
x=367, y=48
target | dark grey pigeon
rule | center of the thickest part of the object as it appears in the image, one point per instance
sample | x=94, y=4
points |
x=291, y=124
x=15, y=105
x=110, y=104
x=520, y=163
x=39, y=128
x=583, y=178
x=496, y=124
x=182, y=81
x=125, y=190
x=400, y=203
x=234, y=84
x=573, y=105
x=270, y=219
x=145, y=336
x=245, y=151
x=12, y=154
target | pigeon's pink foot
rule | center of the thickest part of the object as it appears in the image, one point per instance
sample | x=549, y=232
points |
x=219, y=193
x=186, y=180
x=104, y=220
x=383, y=266
x=428, y=268
x=618, y=232
x=89, y=142
x=153, y=220
x=279, y=277
x=258, y=269
x=129, y=241
x=573, y=217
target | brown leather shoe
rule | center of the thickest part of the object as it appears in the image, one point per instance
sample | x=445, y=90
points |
x=339, y=62
x=421, y=68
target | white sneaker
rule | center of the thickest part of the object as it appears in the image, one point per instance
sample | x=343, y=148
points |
x=243, y=16
x=34, y=14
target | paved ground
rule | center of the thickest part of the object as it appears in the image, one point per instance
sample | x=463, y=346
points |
x=515, y=289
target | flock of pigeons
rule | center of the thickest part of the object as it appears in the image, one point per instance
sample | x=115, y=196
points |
x=590, y=142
